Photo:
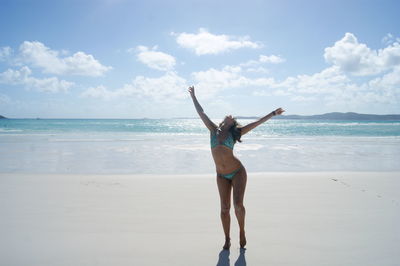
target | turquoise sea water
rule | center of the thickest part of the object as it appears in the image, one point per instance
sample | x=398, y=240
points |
x=195, y=126
x=182, y=146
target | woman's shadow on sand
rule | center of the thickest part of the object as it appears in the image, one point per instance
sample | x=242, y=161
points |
x=223, y=258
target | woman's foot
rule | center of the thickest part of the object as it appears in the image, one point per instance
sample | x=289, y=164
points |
x=242, y=239
x=227, y=243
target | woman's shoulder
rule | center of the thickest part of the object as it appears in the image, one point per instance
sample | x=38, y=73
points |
x=214, y=131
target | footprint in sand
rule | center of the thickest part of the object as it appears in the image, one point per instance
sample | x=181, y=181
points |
x=362, y=190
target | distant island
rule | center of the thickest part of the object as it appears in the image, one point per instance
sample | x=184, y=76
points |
x=3, y=117
x=336, y=116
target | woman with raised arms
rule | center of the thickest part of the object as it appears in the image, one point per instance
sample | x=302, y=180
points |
x=231, y=174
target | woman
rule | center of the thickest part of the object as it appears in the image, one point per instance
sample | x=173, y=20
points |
x=231, y=174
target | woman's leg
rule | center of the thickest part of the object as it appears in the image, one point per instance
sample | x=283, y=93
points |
x=239, y=186
x=225, y=188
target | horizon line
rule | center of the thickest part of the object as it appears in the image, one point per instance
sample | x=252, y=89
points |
x=196, y=117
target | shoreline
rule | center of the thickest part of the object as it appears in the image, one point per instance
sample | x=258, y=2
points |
x=208, y=175
x=127, y=154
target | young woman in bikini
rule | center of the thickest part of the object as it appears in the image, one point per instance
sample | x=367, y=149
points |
x=231, y=174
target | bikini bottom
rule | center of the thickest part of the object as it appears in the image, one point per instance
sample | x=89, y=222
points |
x=230, y=175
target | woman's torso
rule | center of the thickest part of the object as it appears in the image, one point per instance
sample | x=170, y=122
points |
x=222, y=152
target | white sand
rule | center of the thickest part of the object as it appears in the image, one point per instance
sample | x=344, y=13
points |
x=292, y=219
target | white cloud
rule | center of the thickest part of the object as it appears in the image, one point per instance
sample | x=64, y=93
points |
x=361, y=96
x=52, y=84
x=388, y=86
x=15, y=77
x=389, y=80
x=23, y=77
x=358, y=59
x=212, y=80
x=155, y=59
x=84, y=65
x=326, y=81
x=335, y=85
x=38, y=55
x=388, y=39
x=254, y=65
x=204, y=42
x=302, y=88
x=258, y=70
x=273, y=59
x=5, y=53
x=336, y=89
x=168, y=87
x=99, y=92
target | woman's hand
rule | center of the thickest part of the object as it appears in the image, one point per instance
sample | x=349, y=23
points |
x=191, y=91
x=279, y=111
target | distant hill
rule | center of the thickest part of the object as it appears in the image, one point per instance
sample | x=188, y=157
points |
x=3, y=117
x=336, y=116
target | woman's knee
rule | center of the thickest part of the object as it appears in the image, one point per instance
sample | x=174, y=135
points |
x=225, y=208
x=238, y=205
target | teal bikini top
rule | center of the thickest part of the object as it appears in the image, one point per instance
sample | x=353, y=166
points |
x=228, y=142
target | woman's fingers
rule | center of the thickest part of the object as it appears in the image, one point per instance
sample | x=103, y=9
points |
x=191, y=89
x=279, y=111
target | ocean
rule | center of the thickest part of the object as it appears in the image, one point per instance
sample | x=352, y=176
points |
x=181, y=146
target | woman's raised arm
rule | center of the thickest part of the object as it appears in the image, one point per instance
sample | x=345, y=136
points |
x=209, y=124
x=255, y=124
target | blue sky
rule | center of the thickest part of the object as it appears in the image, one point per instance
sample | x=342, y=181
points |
x=134, y=59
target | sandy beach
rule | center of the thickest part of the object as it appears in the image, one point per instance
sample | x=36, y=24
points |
x=314, y=218
x=116, y=116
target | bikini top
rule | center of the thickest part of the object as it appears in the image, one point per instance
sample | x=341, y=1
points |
x=228, y=142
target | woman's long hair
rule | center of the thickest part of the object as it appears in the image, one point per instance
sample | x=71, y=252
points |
x=236, y=130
